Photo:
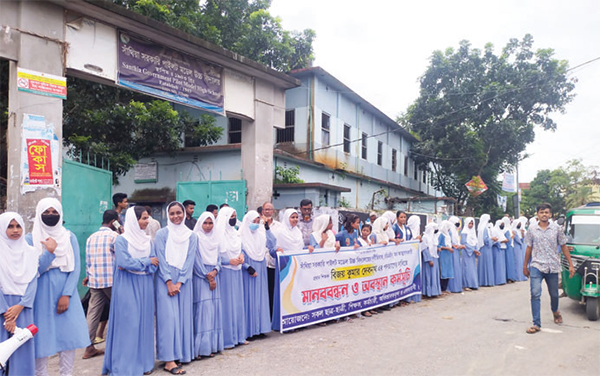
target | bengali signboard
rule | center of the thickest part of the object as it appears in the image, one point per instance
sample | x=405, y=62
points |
x=169, y=74
x=41, y=83
x=39, y=157
x=326, y=285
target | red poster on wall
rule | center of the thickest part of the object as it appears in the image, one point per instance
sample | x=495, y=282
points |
x=40, y=161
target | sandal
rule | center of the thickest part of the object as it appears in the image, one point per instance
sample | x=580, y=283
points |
x=175, y=370
x=557, y=317
x=534, y=329
x=367, y=314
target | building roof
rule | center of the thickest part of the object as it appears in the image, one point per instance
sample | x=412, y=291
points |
x=116, y=15
x=326, y=77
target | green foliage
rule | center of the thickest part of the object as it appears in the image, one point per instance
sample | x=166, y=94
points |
x=242, y=26
x=477, y=111
x=287, y=175
x=343, y=203
x=124, y=126
x=564, y=188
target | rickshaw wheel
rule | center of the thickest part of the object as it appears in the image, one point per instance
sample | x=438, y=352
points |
x=591, y=308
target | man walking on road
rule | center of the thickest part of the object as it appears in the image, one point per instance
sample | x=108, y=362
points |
x=542, y=241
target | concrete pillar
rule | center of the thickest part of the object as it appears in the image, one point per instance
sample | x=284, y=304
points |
x=42, y=52
x=257, y=143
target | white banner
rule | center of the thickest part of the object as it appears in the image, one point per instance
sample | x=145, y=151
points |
x=326, y=285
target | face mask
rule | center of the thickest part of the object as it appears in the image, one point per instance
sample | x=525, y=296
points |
x=254, y=226
x=436, y=231
x=232, y=221
x=457, y=225
x=50, y=219
x=501, y=227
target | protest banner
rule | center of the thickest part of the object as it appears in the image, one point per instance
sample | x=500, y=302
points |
x=326, y=285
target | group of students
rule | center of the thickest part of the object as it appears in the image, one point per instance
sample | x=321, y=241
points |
x=206, y=289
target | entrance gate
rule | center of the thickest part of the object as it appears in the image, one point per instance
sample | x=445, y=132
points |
x=86, y=194
x=203, y=193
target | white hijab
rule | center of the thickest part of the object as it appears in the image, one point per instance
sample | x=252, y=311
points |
x=484, y=220
x=430, y=239
x=64, y=256
x=289, y=238
x=19, y=263
x=230, y=242
x=470, y=232
x=391, y=219
x=414, y=224
x=208, y=243
x=320, y=223
x=138, y=241
x=178, y=240
x=378, y=229
x=254, y=243
x=454, y=232
x=446, y=227
x=498, y=232
x=515, y=229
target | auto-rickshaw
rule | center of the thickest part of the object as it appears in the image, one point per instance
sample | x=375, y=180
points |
x=582, y=227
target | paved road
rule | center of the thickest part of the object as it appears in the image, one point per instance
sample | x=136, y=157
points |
x=473, y=333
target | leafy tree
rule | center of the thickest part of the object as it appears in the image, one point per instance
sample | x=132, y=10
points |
x=566, y=187
x=122, y=126
x=477, y=111
x=242, y=26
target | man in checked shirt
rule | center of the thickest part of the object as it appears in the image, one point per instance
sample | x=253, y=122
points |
x=542, y=242
x=99, y=261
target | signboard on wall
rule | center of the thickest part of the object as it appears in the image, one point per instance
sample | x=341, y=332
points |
x=41, y=83
x=39, y=154
x=169, y=74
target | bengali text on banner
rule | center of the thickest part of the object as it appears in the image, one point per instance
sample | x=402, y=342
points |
x=326, y=285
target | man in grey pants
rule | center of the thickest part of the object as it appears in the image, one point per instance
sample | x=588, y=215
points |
x=99, y=261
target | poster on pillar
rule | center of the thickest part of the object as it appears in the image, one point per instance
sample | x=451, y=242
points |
x=39, y=155
x=169, y=74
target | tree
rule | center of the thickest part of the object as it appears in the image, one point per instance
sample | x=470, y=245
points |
x=122, y=125
x=242, y=26
x=566, y=187
x=477, y=111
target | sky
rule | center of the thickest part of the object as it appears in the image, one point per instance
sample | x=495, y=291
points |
x=380, y=48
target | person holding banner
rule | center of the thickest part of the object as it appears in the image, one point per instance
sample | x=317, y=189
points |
x=322, y=236
x=468, y=239
x=445, y=250
x=232, y=292
x=413, y=224
x=348, y=237
x=256, y=288
x=392, y=221
x=455, y=284
x=176, y=246
x=431, y=265
x=380, y=227
x=130, y=335
x=18, y=284
x=57, y=309
x=367, y=237
x=499, y=252
x=401, y=231
x=208, y=320
x=485, y=263
x=289, y=238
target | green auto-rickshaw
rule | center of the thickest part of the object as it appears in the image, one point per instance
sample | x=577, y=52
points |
x=582, y=227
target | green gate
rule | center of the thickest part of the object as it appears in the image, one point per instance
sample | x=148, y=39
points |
x=230, y=192
x=86, y=194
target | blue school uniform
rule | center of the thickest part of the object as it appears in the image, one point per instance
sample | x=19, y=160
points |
x=511, y=267
x=65, y=331
x=499, y=263
x=232, y=304
x=130, y=335
x=174, y=314
x=347, y=239
x=431, y=274
x=208, y=316
x=446, y=266
x=519, y=249
x=256, y=293
x=22, y=361
x=485, y=266
x=469, y=264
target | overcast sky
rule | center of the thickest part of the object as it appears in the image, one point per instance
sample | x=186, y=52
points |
x=379, y=48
